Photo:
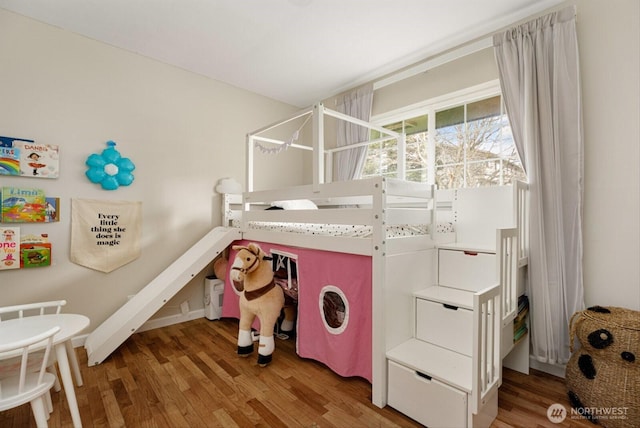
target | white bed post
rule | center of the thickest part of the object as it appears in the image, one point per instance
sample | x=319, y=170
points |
x=249, y=165
x=378, y=307
x=402, y=155
x=318, y=146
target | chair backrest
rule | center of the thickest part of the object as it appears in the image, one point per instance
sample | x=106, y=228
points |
x=31, y=309
x=19, y=388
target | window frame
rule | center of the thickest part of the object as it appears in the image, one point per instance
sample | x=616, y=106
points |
x=430, y=107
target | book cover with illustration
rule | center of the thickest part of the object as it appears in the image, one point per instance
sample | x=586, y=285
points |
x=9, y=161
x=35, y=251
x=52, y=210
x=9, y=248
x=21, y=205
x=28, y=159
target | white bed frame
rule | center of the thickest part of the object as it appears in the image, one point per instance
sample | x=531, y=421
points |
x=401, y=266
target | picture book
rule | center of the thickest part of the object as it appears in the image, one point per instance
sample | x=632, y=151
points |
x=9, y=161
x=52, y=210
x=23, y=205
x=35, y=251
x=27, y=158
x=9, y=248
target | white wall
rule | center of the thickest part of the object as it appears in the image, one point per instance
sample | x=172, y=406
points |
x=609, y=41
x=183, y=132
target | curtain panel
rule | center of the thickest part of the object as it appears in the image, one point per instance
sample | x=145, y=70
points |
x=348, y=164
x=539, y=73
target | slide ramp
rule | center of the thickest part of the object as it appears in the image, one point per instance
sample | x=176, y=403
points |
x=126, y=320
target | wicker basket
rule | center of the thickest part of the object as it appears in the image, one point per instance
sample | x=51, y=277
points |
x=607, y=331
x=603, y=375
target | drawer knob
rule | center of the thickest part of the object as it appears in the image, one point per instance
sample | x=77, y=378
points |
x=470, y=253
x=454, y=308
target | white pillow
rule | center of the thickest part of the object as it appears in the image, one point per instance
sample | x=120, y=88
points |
x=295, y=204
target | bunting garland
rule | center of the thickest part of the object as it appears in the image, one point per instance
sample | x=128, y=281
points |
x=284, y=146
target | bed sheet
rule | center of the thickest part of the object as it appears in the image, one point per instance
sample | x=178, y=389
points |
x=347, y=230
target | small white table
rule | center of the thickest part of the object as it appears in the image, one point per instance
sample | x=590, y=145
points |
x=70, y=325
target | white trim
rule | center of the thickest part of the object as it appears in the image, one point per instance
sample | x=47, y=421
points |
x=467, y=95
x=435, y=62
x=170, y=320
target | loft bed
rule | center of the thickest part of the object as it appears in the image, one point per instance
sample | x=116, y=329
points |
x=395, y=226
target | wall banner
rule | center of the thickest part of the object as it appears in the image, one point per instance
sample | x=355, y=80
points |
x=105, y=235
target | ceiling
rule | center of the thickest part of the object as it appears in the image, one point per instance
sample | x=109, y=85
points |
x=295, y=51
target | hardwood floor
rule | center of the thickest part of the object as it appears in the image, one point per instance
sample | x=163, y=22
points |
x=188, y=375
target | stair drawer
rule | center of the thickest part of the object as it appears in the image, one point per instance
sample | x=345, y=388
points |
x=466, y=270
x=428, y=401
x=447, y=326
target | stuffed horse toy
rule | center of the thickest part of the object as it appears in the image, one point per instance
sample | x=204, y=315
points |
x=252, y=274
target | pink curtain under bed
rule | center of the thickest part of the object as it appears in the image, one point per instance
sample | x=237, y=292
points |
x=334, y=308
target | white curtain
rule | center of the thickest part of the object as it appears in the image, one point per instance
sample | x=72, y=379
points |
x=539, y=74
x=348, y=164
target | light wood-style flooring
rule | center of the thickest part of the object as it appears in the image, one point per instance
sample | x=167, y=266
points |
x=189, y=376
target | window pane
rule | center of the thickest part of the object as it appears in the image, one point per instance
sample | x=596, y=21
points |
x=381, y=161
x=449, y=139
x=416, y=157
x=447, y=118
x=395, y=127
x=449, y=177
x=483, y=138
x=483, y=173
x=483, y=108
x=415, y=125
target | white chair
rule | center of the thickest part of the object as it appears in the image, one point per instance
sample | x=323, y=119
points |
x=28, y=386
x=42, y=308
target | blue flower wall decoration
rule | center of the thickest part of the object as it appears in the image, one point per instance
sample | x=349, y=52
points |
x=109, y=168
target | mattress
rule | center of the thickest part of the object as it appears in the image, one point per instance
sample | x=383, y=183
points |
x=347, y=230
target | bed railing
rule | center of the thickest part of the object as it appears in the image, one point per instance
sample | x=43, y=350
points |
x=349, y=202
x=487, y=364
x=322, y=169
x=507, y=269
x=375, y=203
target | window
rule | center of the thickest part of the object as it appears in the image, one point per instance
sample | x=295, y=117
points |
x=471, y=144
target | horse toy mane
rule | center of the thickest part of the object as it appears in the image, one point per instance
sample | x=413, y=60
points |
x=252, y=275
x=248, y=272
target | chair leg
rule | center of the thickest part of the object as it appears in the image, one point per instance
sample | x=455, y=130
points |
x=73, y=362
x=39, y=412
x=49, y=403
x=56, y=384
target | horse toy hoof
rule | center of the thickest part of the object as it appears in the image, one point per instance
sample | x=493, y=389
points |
x=263, y=360
x=245, y=351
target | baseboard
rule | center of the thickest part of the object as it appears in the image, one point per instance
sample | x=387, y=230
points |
x=170, y=320
x=78, y=341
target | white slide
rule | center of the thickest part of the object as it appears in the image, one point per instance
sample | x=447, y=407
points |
x=130, y=317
